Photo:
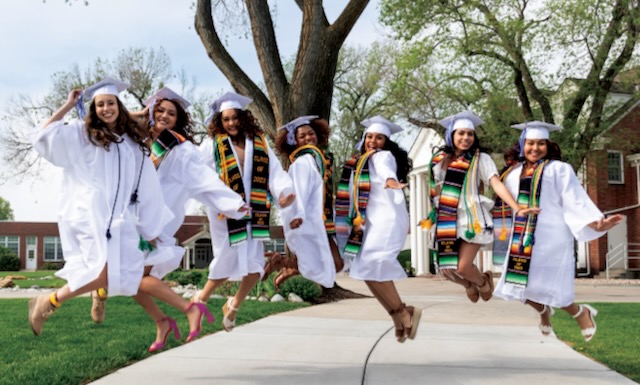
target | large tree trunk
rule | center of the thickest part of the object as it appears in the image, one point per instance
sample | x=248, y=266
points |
x=311, y=87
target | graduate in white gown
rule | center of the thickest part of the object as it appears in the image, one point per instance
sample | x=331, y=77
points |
x=304, y=141
x=239, y=151
x=109, y=197
x=460, y=217
x=371, y=199
x=183, y=175
x=540, y=268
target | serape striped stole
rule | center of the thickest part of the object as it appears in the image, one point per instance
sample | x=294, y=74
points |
x=163, y=144
x=351, y=206
x=229, y=171
x=524, y=227
x=503, y=223
x=324, y=162
x=447, y=242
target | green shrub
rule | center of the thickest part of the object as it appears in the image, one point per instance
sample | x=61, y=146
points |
x=193, y=277
x=227, y=289
x=405, y=260
x=307, y=290
x=9, y=261
x=52, y=266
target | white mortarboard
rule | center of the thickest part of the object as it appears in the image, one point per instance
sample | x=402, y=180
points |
x=378, y=125
x=464, y=119
x=164, y=93
x=294, y=124
x=106, y=86
x=534, y=130
x=225, y=102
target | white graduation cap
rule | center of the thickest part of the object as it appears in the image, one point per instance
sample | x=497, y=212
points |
x=378, y=125
x=168, y=94
x=106, y=86
x=227, y=101
x=534, y=130
x=294, y=124
x=464, y=119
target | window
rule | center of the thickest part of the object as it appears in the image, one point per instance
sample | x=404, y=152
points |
x=11, y=242
x=274, y=245
x=52, y=249
x=615, y=167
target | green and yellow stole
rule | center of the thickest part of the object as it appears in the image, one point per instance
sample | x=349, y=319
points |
x=351, y=206
x=324, y=162
x=502, y=220
x=163, y=144
x=461, y=174
x=229, y=171
x=524, y=227
x=159, y=149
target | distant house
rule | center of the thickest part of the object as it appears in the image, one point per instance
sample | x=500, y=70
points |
x=37, y=243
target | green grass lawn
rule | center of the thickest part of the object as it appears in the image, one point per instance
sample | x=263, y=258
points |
x=616, y=343
x=74, y=350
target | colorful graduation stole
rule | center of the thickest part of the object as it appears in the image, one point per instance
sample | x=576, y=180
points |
x=229, y=172
x=324, y=162
x=163, y=144
x=502, y=222
x=524, y=227
x=352, y=205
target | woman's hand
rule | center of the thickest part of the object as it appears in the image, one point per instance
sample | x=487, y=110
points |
x=394, y=184
x=294, y=224
x=245, y=208
x=528, y=211
x=286, y=201
x=606, y=224
x=73, y=97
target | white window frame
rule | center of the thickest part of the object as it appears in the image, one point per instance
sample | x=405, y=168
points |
x=58, y=257
x=4, y=242
x=620, y=168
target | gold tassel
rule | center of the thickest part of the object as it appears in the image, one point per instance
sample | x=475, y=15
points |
x=476, y=226
x=220, y=216
x=503, y=234
x=425, y=224
x=358, y=221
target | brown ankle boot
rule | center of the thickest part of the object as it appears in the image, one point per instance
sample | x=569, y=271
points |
x=289, y=269
x=472, y=292
x=486, y=290
x=40, y=308
x=274, y=263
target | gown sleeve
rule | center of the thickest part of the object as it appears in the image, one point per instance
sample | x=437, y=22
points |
x=578, y=210
x=386, y=167
x=279, y=181
x=487, y=168
x=60, y=143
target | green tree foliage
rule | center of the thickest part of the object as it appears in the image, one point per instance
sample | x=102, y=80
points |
x=507, y=60
x=6, y=213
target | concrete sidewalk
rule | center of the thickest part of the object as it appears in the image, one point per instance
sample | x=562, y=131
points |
x=352, y=342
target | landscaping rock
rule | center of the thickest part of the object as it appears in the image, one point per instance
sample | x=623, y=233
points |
x=293, y=297
x=277, y=298
x=6, y=282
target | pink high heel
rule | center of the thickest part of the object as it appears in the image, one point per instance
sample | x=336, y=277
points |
x=172, y=327
x=203, y=311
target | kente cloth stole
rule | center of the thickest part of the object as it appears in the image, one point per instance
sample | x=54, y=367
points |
x=324, y=162
x=447, y=243
x=502, y=222
x=229, y=171
x=163, y=144
x=524, y=227
x=352, y=205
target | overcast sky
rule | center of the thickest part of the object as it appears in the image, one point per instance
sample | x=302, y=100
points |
x=40, y=38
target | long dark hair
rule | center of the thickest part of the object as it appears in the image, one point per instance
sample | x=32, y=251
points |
x=248, y=124
x=184, y=123
x=101, y=135
x=405, y=164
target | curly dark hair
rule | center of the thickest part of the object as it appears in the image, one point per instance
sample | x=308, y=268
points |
x=319, y=126
x=405, y=164
x=101, y=135
x=184, y=124
x=248, y=124
x=553, y=151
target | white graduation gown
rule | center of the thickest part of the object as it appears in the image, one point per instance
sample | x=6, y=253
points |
x=184, y=175
x=93, y=180
x=565, y=212
x=235, y=262
x=386, y=225
x=486, y=170
x=309, y=241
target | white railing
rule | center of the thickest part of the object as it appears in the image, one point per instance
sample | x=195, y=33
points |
x=624, y=252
